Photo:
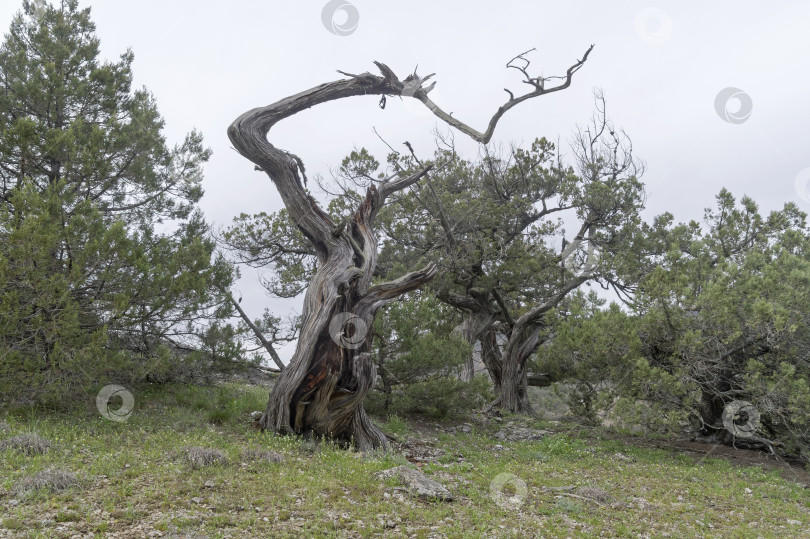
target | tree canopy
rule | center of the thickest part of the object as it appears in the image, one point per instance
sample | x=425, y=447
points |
x=104, y=261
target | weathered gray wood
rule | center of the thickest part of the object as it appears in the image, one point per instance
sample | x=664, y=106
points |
x=322, y=388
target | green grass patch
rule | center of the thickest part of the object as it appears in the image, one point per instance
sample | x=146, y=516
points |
x=138, y=473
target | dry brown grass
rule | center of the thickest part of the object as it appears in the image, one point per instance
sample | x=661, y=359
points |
x=50, y=480
x=29, y=444
x=199, y=457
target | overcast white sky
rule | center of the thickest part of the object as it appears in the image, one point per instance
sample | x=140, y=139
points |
x=661, y=67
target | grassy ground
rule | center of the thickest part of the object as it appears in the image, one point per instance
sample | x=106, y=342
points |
x=134, y=479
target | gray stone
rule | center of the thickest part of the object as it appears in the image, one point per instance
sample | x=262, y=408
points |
x=418, y=484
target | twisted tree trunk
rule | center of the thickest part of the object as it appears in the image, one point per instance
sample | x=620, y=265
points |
x=322, y=389
x=522, y=342
x=491, y=356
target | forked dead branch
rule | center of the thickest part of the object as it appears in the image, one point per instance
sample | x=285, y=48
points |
x=322, y=389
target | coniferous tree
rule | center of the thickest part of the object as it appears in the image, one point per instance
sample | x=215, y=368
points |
x=104, y=261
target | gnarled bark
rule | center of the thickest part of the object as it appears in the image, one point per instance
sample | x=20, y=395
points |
x=322, y=388
x=522, y=343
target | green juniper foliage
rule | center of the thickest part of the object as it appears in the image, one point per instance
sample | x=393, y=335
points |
x=104, y=263
x=721, y=314
x=496, y=227
x=419, y=360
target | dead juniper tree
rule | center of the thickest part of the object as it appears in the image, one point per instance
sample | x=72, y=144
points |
x=322, y=389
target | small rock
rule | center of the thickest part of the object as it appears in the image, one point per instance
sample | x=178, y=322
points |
x=497, y=447
x=209, y=484
x=13, y=503
x=418, y=483
x=196, y=500
x=255, y=416
x=390, y=524
x=748, y=490
x=466, y=428
x=794, y=522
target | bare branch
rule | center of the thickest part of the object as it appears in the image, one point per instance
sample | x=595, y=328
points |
x=382, y=293
x=539, y=90
x=259, y=335
x=389, y=187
